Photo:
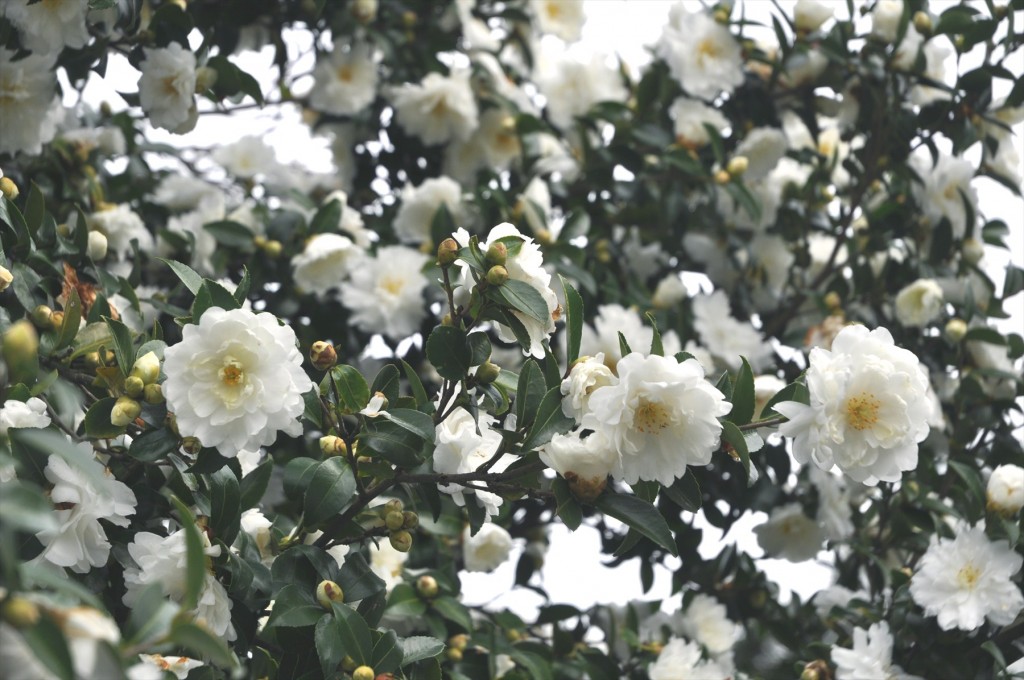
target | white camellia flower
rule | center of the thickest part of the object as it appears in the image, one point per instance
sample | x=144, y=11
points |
x=707, y=622
x=461, y=446
x=387, y=563
x=1005, y=489
x=254, y=523
x=660, y=417
x=385, y=292
x=681, y=659
x=763, y=148
x=868, y=407
x=346, y=81
x=191, y=226
x=563, y=18
x=946, y=186
x=48, y=27
x=141, y=320
x=90, y=635
x=871, y=656
x=768, y=272
x=420, y=205
x=183, y=192
x=585, y=463
x=494, y=145
x=325, y=262
x=351, y=222
x=439, y=108
x=809, y=15
x=235, y=380
x=919, y=303
x=525, y=264
x=613, y=319
x=167, y=87
x=17, y=414
x=967, y=579
x=587, y=374
x=79, y=541
x=29, y=107
x=246, y=158
x=178, y=665
x=690, y=116
x=789, y=534
x=573, y=83
x=670, y=292
x=724, y=336
x=120, y=224
x=164, y=560
x=885, y=19
x=701, y=53
x=487, y=550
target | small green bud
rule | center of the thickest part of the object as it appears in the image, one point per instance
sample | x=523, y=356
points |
x=410, y=520
x=56, y=320
x=147, y=368
x=497, y=275
x=323, y=355
x=401, y=541
x=21, y=351
x=125, y=411
x=394, y=505
x=192, y=445
x=41, y=316
x=923, y=23
x=497, y=254
x=327, y=593
x=153, y=394
x=486, y=373
x=447, y=252
x=394, y=521
x=454, y=654
x=956, y=329
x=8, y=188
x=363, y=673
x=20, y=612
x=459, y=642
x=206, y=78
x=737, y=166
x=426, y=586
x=134, y=387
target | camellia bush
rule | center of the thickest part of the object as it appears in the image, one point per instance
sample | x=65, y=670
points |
x=257, y=420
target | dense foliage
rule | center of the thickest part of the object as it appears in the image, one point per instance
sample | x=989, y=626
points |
x=256, y=420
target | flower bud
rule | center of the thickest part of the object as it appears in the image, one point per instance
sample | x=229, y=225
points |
x=8, y=188
x=447, y=252
x=497, y=253
x=956, y=329
x=363, y=673
x=410, y=520
x=134, y=387
x=97, y=246
x=206, y=78
x=832, y=300
x=125, y=411
x=364, y=11
x=923, y=23
x=153, y=394
x=409, y=19
x=394, y=505
x=737, y=166
x=973, y=250
x=6, y=278
x=401, y=541
x=816, y=670
x=147, y=368
x=454, y=654
x=721, y=15
x=327, y=593
x=191, y=445
x=272, y=248
x=21, y=351
x=348, y=664
x=394, y=521
x=323, y=355
x=20, y=612
x=426, y=586
x=722, y=177
x=486, y=373
x=41, y=316
x=459, y=642
x=56, y=320
x=332, y=445
x=497, y=275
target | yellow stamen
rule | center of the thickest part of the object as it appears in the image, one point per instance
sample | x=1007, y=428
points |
x=650, y=417
x=862, y=411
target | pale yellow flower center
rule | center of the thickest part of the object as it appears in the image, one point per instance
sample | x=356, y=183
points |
x=231, y=373
x=392, y=284
x=707, y=49
x=650, y=417
x=950, y=192
x=862, y=411
x=345, y=73
x=968, y=576
x=552, y=9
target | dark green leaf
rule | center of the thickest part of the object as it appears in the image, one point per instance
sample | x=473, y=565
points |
x=420, y=424
x=638, y=514
x=353, y=632
x=479, y=348
x=685, y=492
x=387, y=383
x=733, y=435
x=124, y=348
x=522, y=297
x=415, y=385
x=448, y=351
x=573, y=321
x=195, y=557
x=743, y=396
x=347, y=387
x=225, y=505
x=49, y=647
x=188, y=276
x=453, y=611
x=529, y=393
x=657, y=349
x=254, y=485
x=329, y=646
x=357, y=579
x=550, y=420
x=567, y=509
x=419, y=647
x=23, y=507
x=393, y=442
x=72, y=320
x=203, y=643
x=330, y=490
x=97, y=420
x=624, y=348
x=153, y=445
x=386, y=656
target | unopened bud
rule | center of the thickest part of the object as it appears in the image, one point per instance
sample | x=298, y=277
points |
x=271, y=247
x=394, y=505
x=722, y=15
x=956, y=329
x=21, y=351
x=125, y=411
x=410, y=520
x=56, y=320
x=446, y=320
x=973, y=250
x=332, y=445
x=20, y=612
x=737, y=166
x=41, y=316
x=454, y=654
x=97, y=245
x=206, y=78
x=497, y=253
x=394, y=521
x=327, y=593
x=147, y=368
x=460, y=641
x=497, y=275
x=447, y=252
x=6, y=278
x=363, y=673
x=426, y=586
x=544, y=236
x=364, y=11
x=722, y=177
x=134, y=387
x=486, y=373
x=348, y=664
x=816, y=670
x=8, y=188
x=832, y=300
x=191, y=445
x=323, y=355
x=153, y=394
x=923, y=23
x=401, y=541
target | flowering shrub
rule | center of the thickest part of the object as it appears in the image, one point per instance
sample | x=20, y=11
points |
x=258, y=420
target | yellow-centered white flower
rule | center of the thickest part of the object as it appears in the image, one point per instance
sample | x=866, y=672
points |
x=701, y=53
x=346, y=81
x=439, y=108
x=167, y=86
x=487, y=550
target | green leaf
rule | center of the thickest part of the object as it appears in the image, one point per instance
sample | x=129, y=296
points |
x=90, y=339
x=638, y=514
x=186, y=274
x=657, y=348
x=124, y=348
x=49, y=647
x=420, y=647
x=536, y=666
x=203, y=643
x=685, y=492
x=225, y=505
x=254, y=485
x=795, y=391
x=567, y=508
x=741, y=194
x=330, y=490
x=326, y=218
x=212, y=294
x=416, y=385
x=72, y=320
x=152, y=614
x=353, y=632
x=295, y=607
x=522, y=297
x=448, y=351
x=231, y=234
x=195, y=557
x=416, y=422
x=347, y=387
x=573, y=321
x=453, y=611
x=404, y=602
x=624, y=348
x=386, y=655
x=35, y=209
x=357, y=579
x=329, y=646
x=742, y=396
x=734, y=437
x=550, y=420
x=985, y=334
x=479, y=348
x=393, y=442
x=153, y=445
x=97, y=420
x=23, y=507
x=442, y=225
x=387, y=383
x=529, y=393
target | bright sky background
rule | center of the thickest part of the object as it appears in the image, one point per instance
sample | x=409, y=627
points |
x=573, y=572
